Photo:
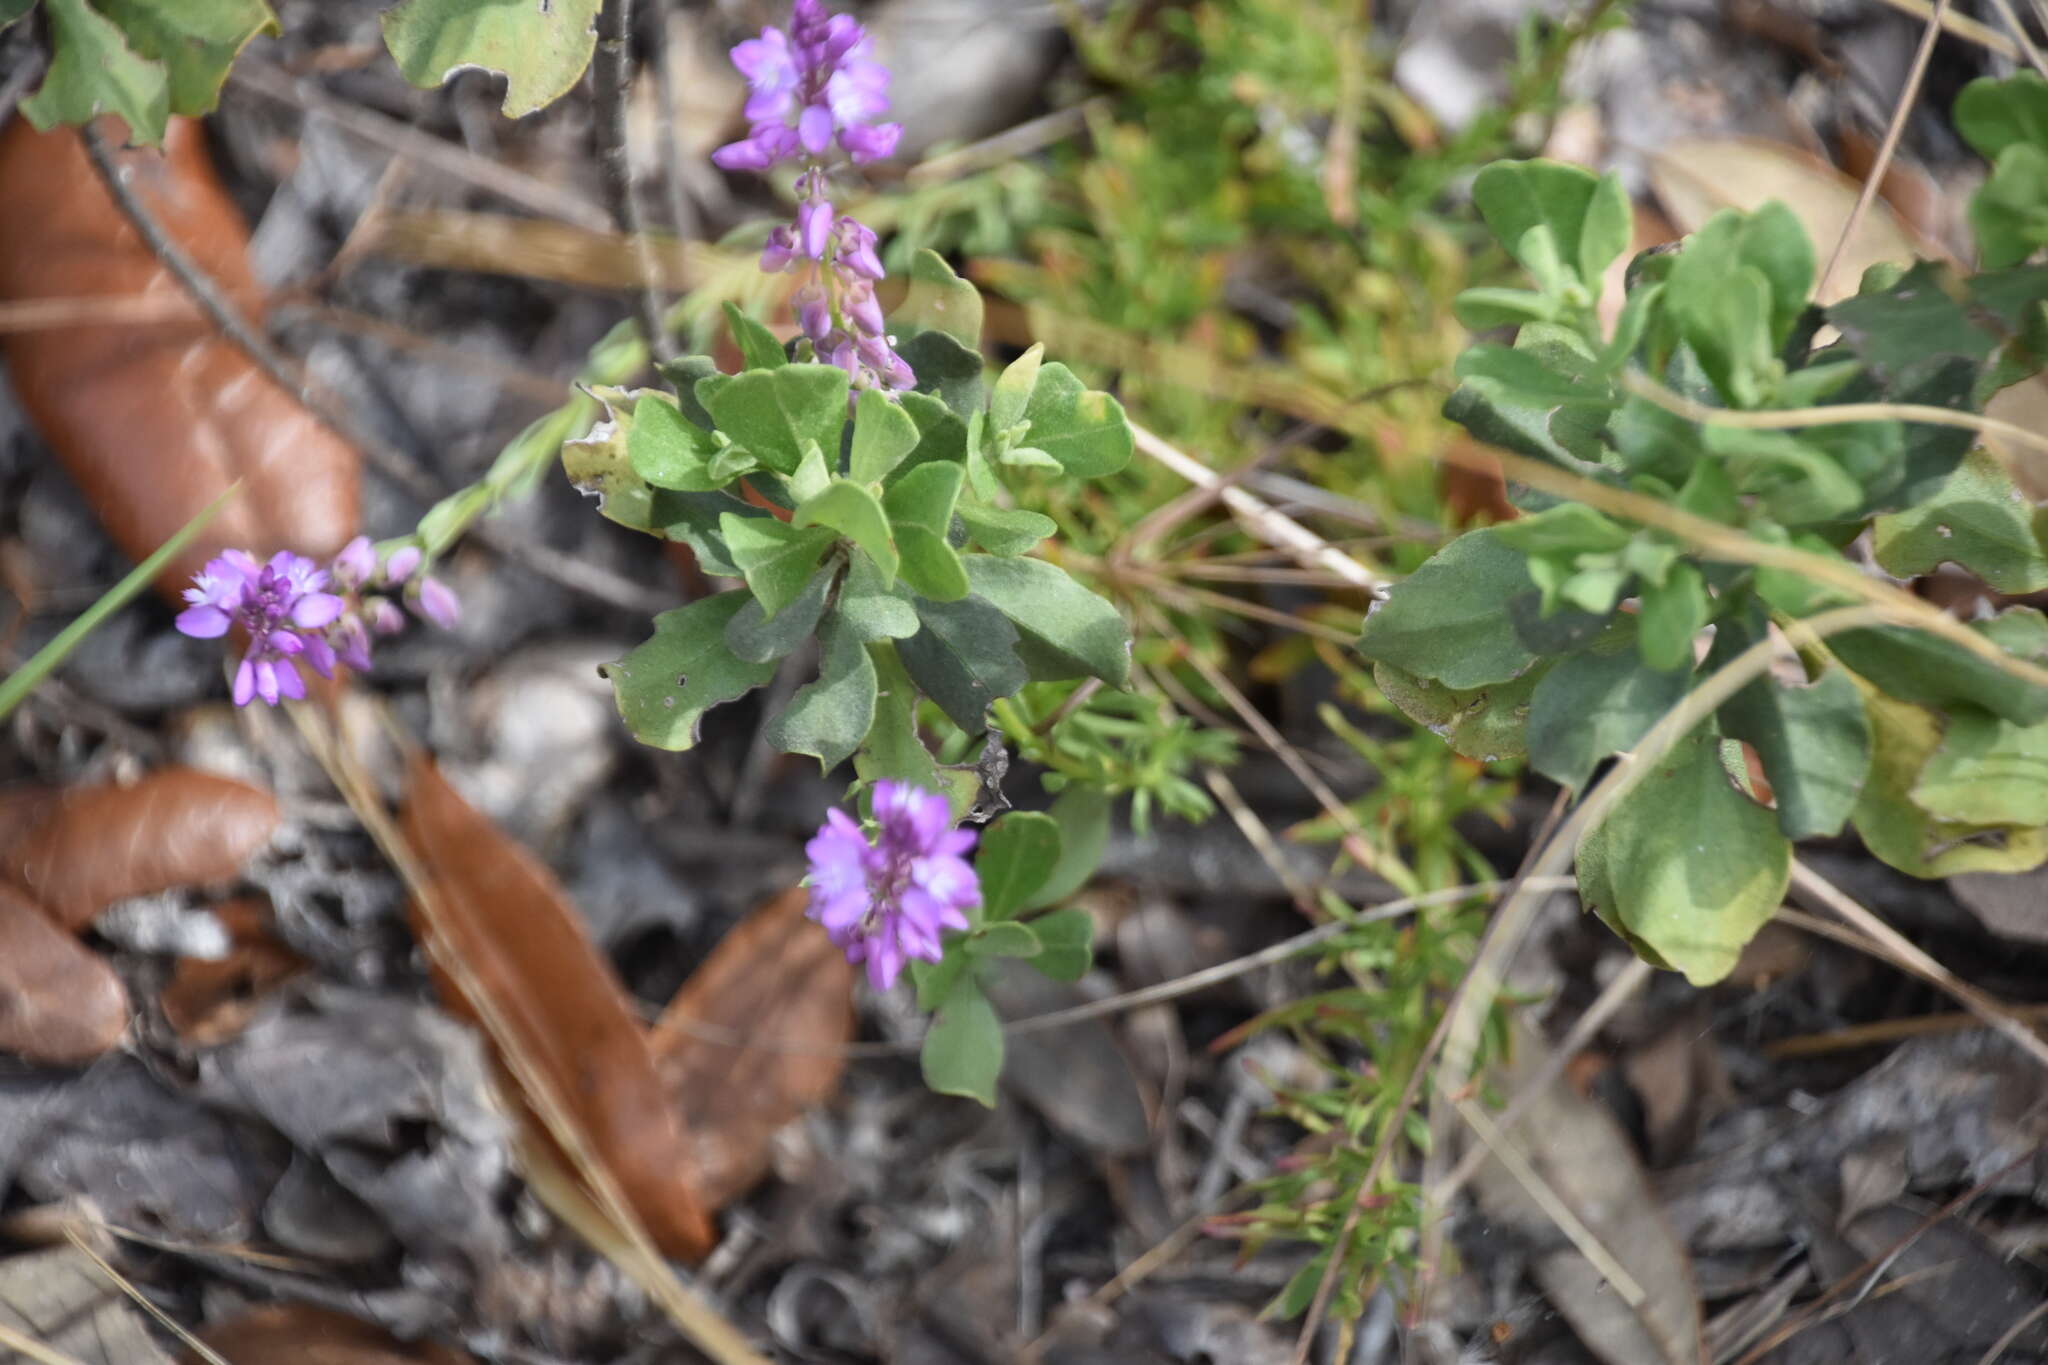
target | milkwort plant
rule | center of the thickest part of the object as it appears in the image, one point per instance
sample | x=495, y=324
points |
x=853, y=480
x=1566, y=633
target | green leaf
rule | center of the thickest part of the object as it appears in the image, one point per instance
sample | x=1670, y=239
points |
x=697, y=520
x=758, y=638
x=1687, y=869
x=540, y=49
x=813, y=476
x=2009, y=211
x=599, y=464
x=870, y=610
x=1082, y=813
x=1994, y=114
x=1004, y=531
x=1068, y=631
x=1899, y=831
x=11, y=10
x=1987, y=772
x=850, y=509
x=1588, y=217
x=1487, y=723
x=774, y=412
x=1017, y=857
x=828, y=718
x=1813, y=738
x=196, y=40
x=1570, y=526
x=940, y=301
x=1012, y=392
x=93, y=71
x=883, y=434
x=941, y=435
x=934, y=980
x=1914, y=666
x=1723, y=308
x=776, y=557
x=930, y=566
x=945, y=367
x=684, y=374
x=1673, y=612
x=1797, y=479
x=669, y=451
x=758, y=346
x=1006, y=938
x=925, y=497
x=1083, y=428
x=964, y=659
x=1597, y=703
x=1066, y=940
x=1482, y=310
x=892, y=748
x=666, y=685
x=1976, y=519
x=963, y=1051
x=1449, y=619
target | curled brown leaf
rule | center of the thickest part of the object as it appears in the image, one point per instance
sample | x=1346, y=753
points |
x=78, y=851
x=501, y=915
x=59, y=1004
x=300, y=1334
x=752, y=1040
x=154, y=419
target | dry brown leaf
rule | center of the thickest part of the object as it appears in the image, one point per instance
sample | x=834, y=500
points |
x=498, y=911
x=774, y=979
x=300, y=1334
x=1695, y=178
x=155, y=420
x=61, y=1300
x=1574, y=1146
x=59, y=1003
x=211, y=1001
x=87, y=847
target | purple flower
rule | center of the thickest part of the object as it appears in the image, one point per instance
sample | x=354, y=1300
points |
x=438, y=604
x=886, y=902
x=283, y=609
x=806, y=87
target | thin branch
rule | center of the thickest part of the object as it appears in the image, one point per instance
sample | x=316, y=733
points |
x=2019, y=35
x=1874, y=181
x=611, y=70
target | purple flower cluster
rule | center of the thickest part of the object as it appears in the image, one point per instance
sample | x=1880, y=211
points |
x=813, y=87
x=287, y=611
x=886, y=902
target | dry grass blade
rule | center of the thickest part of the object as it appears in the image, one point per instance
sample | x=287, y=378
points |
x=572, y=1179
x=1914, y=959
x=1613, y=996
x=1900, y=112
x=1263, y=521
x=140, y=1299
x=26, y=1345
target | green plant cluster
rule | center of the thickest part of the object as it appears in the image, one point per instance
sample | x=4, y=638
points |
x=1567, y=633
x=1029, y=862
x=884, y=536
x=146, y=60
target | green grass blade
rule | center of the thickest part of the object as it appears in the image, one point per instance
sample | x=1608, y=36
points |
x=24, y=680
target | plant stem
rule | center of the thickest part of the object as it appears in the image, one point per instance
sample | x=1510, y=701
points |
x=610, y=73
